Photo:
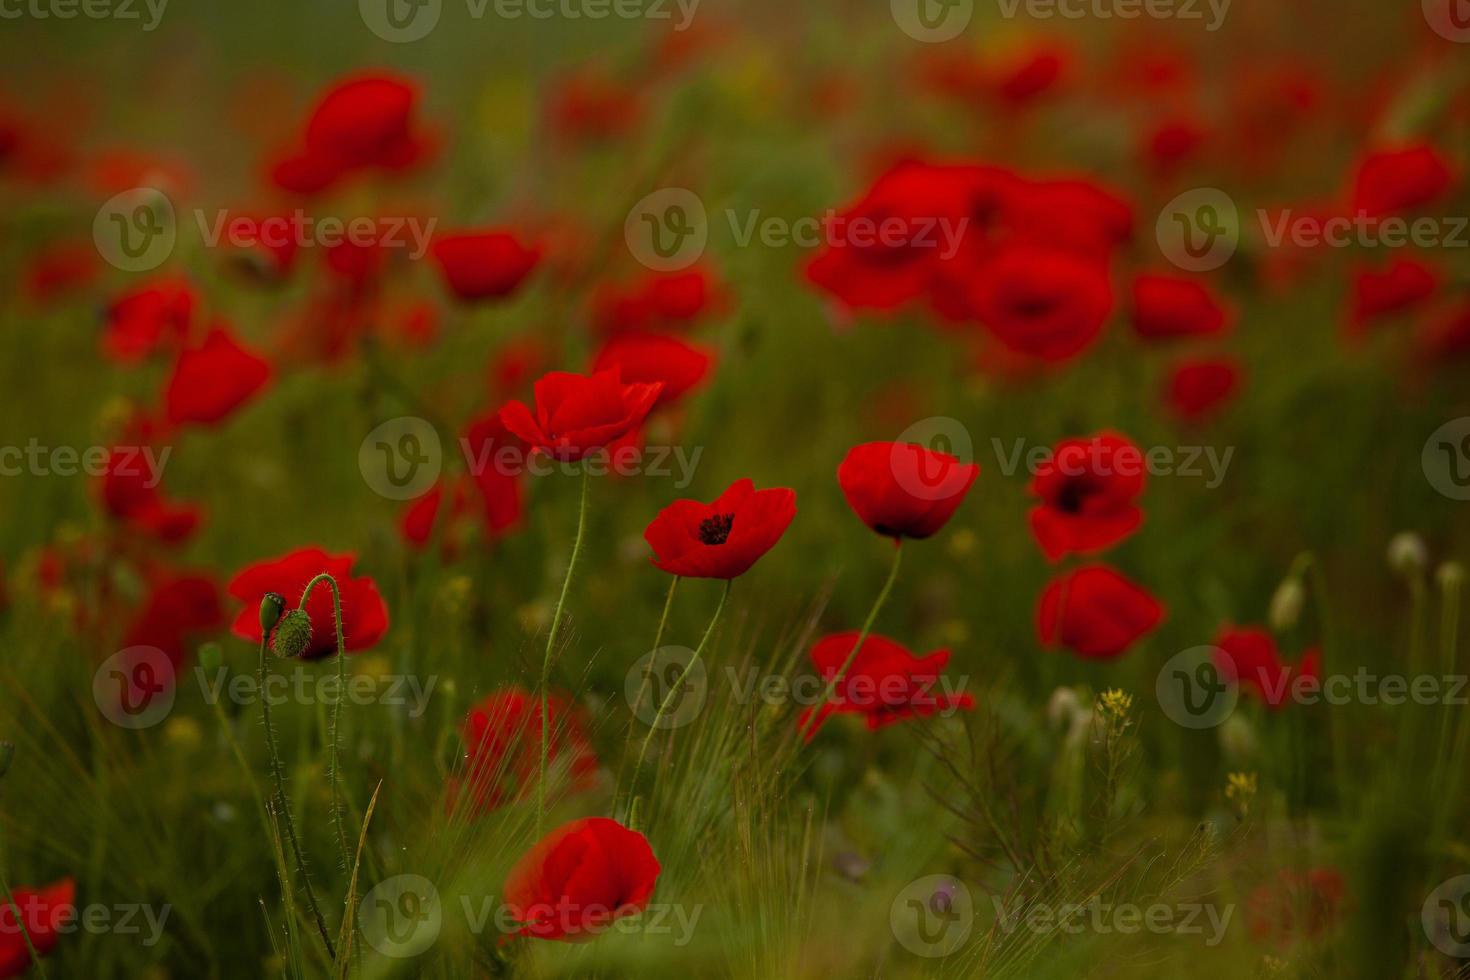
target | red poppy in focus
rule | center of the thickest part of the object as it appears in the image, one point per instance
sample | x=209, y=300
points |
x=131, y=495
x=1400, y=286
x=1391, y=181
x=179, y=607
x=153, y=317
x=1043, y=302
x=721, y=539
x=1248, y=655
x=364, y=614
x=578, y=414
x=652, y=357
x=1198, y=389
x=1300, y=905
x=44, y=913
x=502, y=738
x=212, y=380
x=904, y=490
x=1095, y=612
x=574, y=882
x=1170, y=307
x=1088, y=488
x=886, y=683
x=480, y=265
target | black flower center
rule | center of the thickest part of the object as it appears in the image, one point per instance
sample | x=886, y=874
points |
x=1072, y=496
x=714, y=530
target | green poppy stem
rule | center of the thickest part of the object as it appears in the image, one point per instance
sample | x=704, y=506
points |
x=335, y=736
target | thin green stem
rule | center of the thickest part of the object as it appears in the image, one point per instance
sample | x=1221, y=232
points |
x=658, y=638
x=679, y=683
x=550, y=646
x=284, y=808
x=838, y=677
x=335, y=735
x=1449, y=633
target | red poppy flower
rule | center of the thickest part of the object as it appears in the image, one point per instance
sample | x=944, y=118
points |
x=649, y=357
x=1088, y=490
x=1042, y=302
x=1392, y=181
x=212, y=380
x=1075, y=215
x=904, y=490
x=131, y=495
x=502, y=738
x=1172, y=143
x=44, y=913
x=1170, y=307
x=61, y=270
x=588, y=106
x=1197, y=389
x=886, y=683
x=1021, y=80
x=1299, y=905
x=1095, y=612
x=416, y=523
x=721, y=539
x=659, y=301
x=1399, y=286
x=1248, y=655
x=364, y=614
x=179, y=608
x=483, y=264
x=153, y=317
x=578, y=414
x=496, y=460
x=1447, y=335
x=574, y=882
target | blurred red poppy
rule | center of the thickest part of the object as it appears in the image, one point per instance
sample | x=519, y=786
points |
x=1171, y=143
x=1248, y=655
x=479, y=265
x=1297, y=906
x=574, y=882
x=157, y=316
x=60, y=270
x=649, y=357
x=904, y=490
x=502, y=738
x=721, y=539
x=496, y=458
x=1390, y=181
x=886, y=683
x=1197, y=389
x=364, y=614
x=131, y=495
x=658, y=301
x=577, y=414
x=1399, y=286
x=1088, y=488
x=179, y=608
x=1095, y=612
x=214, y=379
x=1171, y=307
x=1446, y=335
x=1043, y=302
x=45, y=913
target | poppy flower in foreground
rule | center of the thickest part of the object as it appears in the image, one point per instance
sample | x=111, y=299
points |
x=1197, y=390
x=1248, y=656
x=578, y=414
x=483, y=264
x=721, y=539
x=212, y=380
x=1095, y=612
x=904, y=490
x=574, y=882
x=1043, y=302
x=1087, y=490
x=1170, y=307
x=44, y=913
x=131, y=495
x=502, y=738
x=886, y=683
x=1393, y=180
x=364, y=614
x=648, y=357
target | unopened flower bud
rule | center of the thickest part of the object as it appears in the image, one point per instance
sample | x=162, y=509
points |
x=210, y=656
x=1286, y=604
x=1062, y=707
x=271, y=607
x=1451, y=575
x=1407, y=554
x=293, y=635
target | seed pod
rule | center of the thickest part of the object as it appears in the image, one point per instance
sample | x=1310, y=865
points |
x=271, y=607
x=292, y=635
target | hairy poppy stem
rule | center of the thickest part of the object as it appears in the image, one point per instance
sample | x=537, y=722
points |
x=550, y=645
x=279, y=778
x=837, y=678
x=674, y=688
x=335, y=736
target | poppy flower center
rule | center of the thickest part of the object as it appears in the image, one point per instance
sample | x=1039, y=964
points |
x=714, y=530
x=1073, y=495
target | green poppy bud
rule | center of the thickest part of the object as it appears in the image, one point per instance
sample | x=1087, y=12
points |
x=210, y=656
x=271, y=607
x=293, y=635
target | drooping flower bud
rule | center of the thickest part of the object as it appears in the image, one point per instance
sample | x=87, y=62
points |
x=1286, y=604
x=271, y=607
x=1407, y=554
x=292, y=635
